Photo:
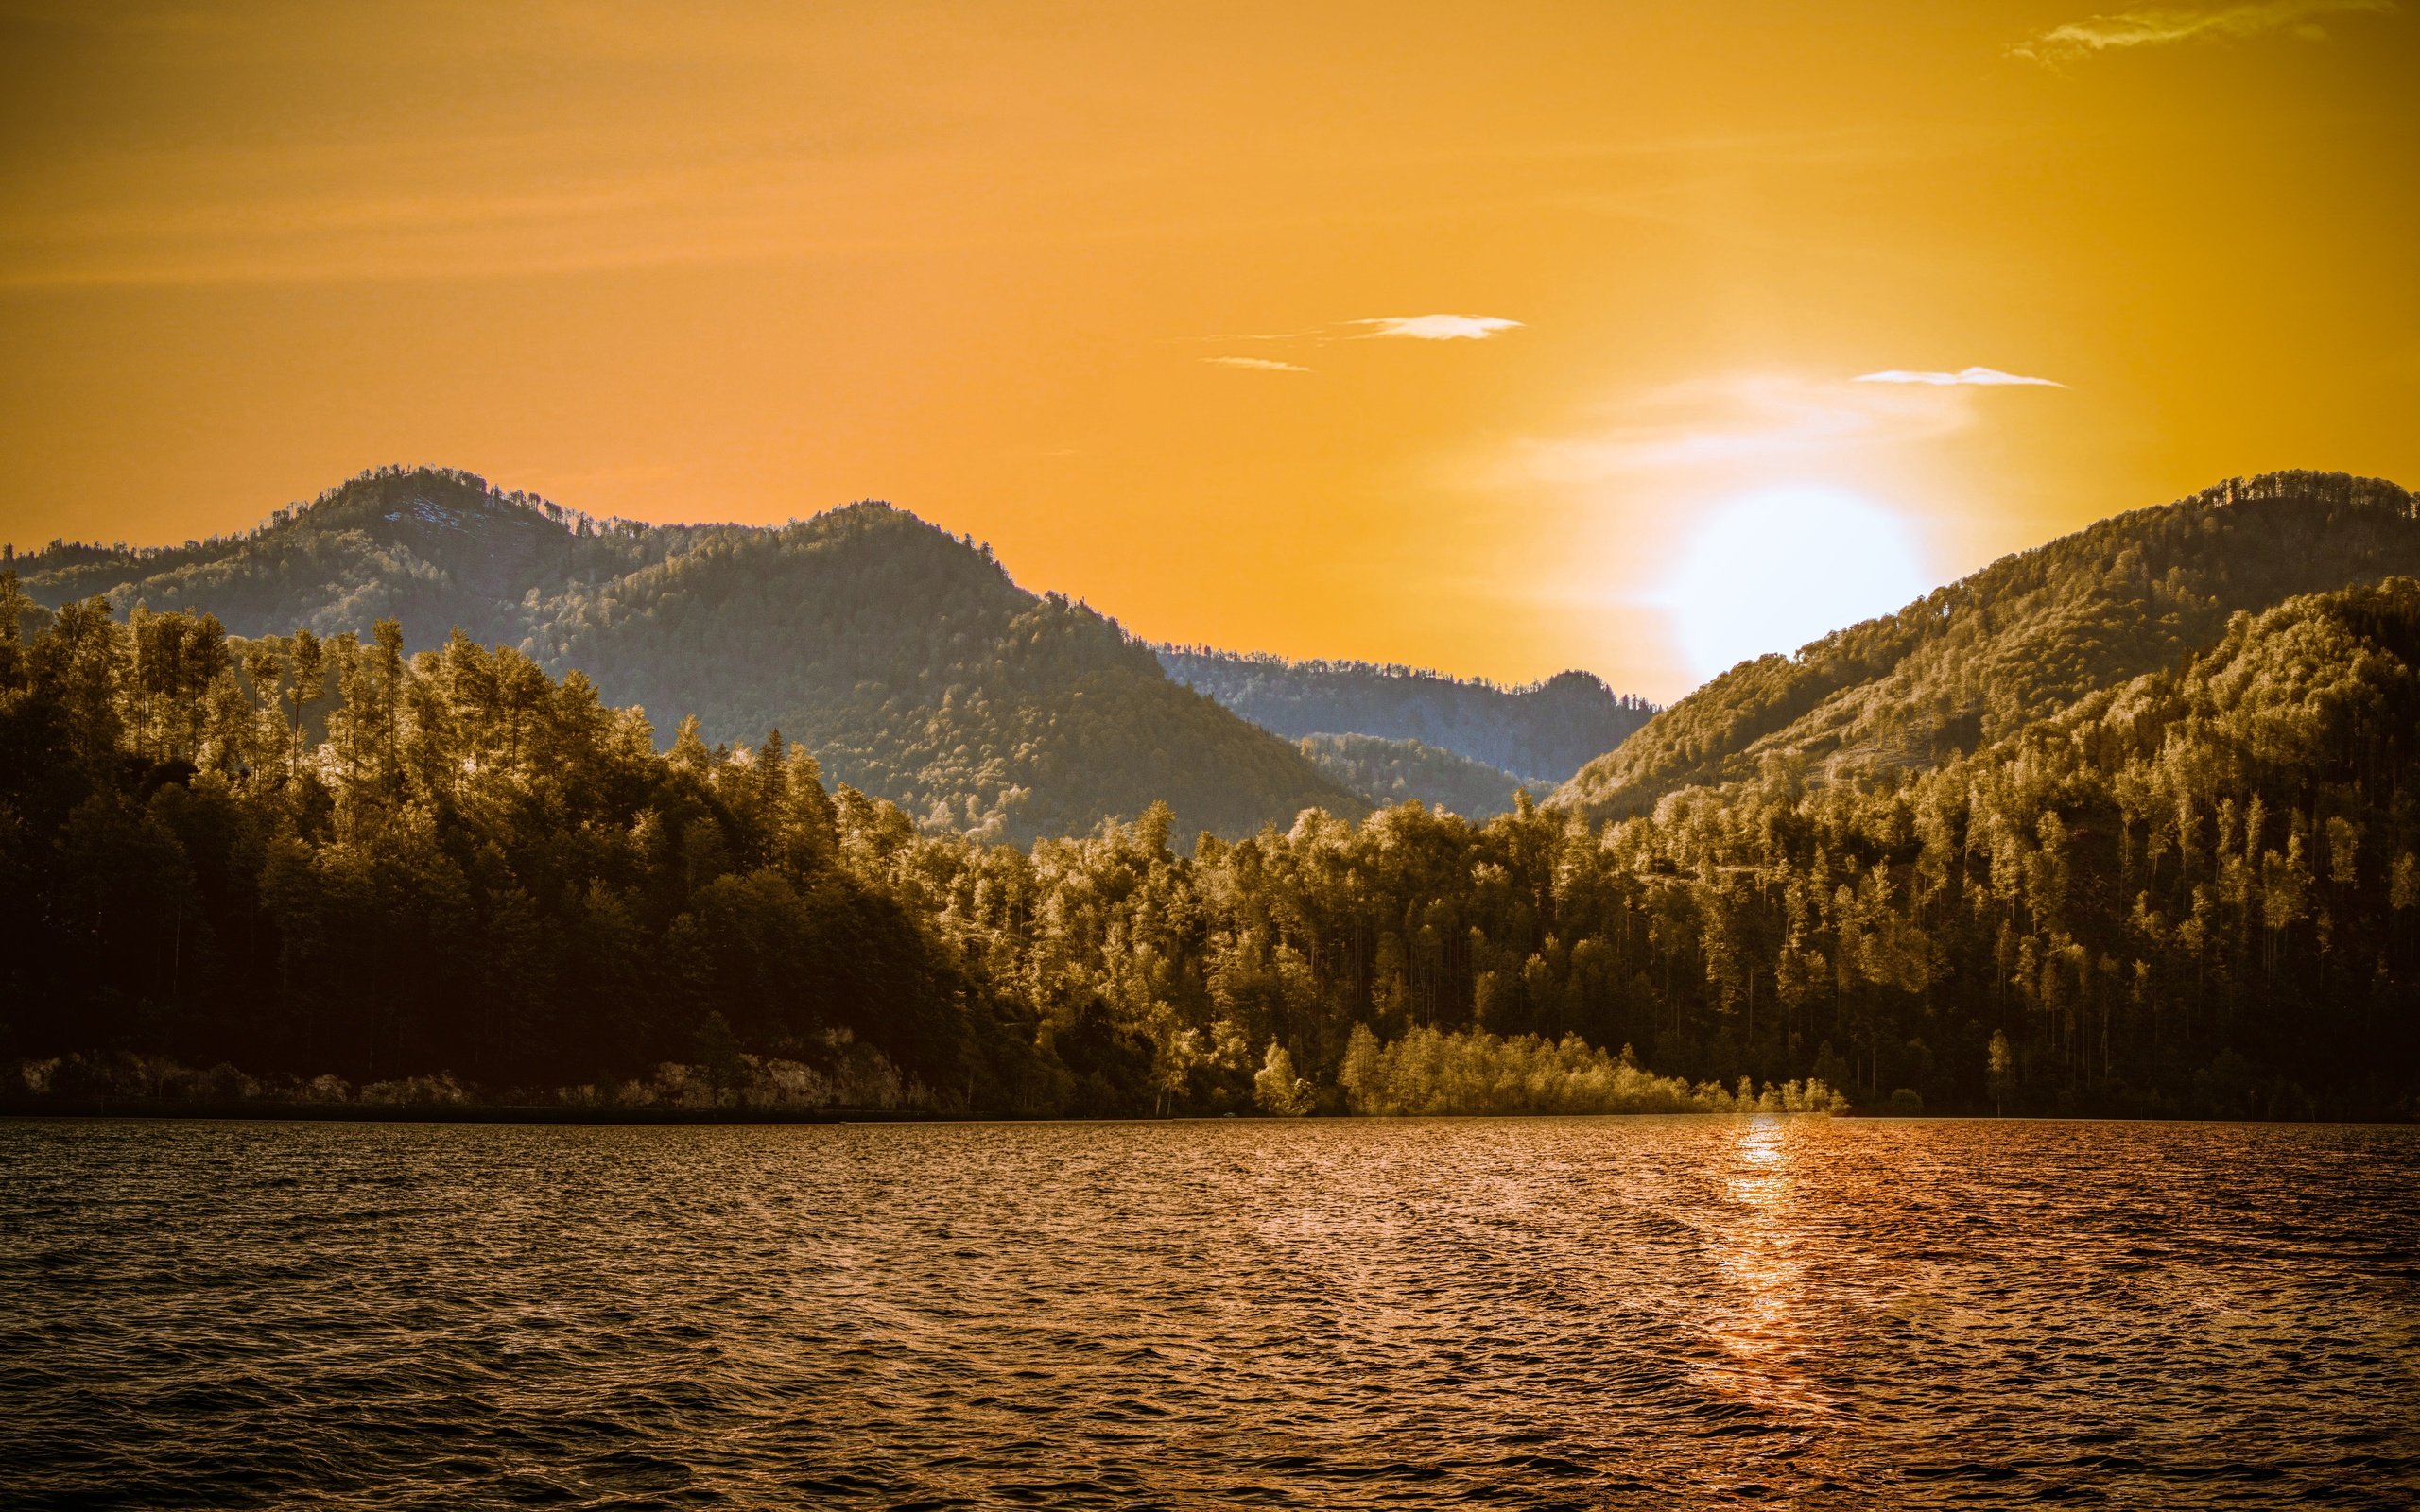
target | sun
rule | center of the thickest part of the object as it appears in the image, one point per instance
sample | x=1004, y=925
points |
x=1773, y=570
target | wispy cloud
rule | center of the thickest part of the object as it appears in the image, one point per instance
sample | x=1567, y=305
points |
x=1741, y=424
x=1412, y=327
x=1969, y=377
x=1258, y=364
x=2157, y=26
x=1631, y=478
x=1436, y=327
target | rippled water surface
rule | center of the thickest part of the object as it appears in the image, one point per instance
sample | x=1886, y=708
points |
x=1522, y=1312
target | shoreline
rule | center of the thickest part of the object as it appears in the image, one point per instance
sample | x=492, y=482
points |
x=637, y=1117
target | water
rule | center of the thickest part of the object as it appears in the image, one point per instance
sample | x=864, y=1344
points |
x=1519, y=1313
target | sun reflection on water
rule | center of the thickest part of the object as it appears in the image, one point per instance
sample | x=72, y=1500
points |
x=1758, y=1323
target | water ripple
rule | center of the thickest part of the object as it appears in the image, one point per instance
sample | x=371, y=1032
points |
x=1524, y=1313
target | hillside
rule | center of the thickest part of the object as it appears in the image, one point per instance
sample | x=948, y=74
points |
x=1545, y=731
x=2194, y=892
x=906, y=659
x=2018, y=642
x=432, y=548
x=1399, y=771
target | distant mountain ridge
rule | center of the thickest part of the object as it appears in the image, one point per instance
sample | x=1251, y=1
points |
x=2020, y=641
x=904, y=657
x=1541, y=733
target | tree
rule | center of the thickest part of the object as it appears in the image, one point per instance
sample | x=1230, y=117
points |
x=1358, y=1075
x=1276, y=1089
x=2000, y=1067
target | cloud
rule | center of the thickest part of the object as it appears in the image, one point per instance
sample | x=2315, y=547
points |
x=1412, y=327
x=1436, y=327
x=1739, y=424
x=1258, y=363
x=1970, y=377
x=2159, y=26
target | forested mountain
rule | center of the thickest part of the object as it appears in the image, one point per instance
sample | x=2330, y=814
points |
x=431, y=548
x=1541, y=733
x=904, y=657
x=1402, y=771
x=2024, y=638
x=2195, y=891
x=344, y=871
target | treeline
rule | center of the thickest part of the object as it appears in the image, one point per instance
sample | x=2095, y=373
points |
x=107, y=563
x=1429, y=1071
x=2193, y=893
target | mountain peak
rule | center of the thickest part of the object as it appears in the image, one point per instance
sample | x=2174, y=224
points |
x=2020, y=640
x=903, y=655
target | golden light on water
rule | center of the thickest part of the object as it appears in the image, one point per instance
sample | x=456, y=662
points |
x=1757, y=1319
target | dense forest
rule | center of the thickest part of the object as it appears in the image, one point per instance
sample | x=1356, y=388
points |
x=2023, y=639
x=331, y=870
x=1541, y=734
x=904, y=656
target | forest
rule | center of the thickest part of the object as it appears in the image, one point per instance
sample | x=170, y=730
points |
x=1397, y=771
x=904, y=656
x=323, y=869
x=1979, y=659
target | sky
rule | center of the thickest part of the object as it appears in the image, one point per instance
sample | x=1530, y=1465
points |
x=1496, y=338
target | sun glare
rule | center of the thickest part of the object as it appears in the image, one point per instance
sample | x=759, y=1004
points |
x=1774, y=570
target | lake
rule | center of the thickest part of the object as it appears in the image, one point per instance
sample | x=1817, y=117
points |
x=1519, y=1313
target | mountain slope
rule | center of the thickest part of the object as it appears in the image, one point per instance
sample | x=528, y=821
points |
x=916, y=669
x=431, y=548
x=1542, y=731
x=1397, y=771
x=906, y=659
x=2018, y=642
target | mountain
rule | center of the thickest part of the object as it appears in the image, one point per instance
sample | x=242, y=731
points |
x=2193, y=890
x=2191, y=893
x=1398, y=771
x=1974, y=662
x=432, y=548
x=1542, y=732
x=905, y=658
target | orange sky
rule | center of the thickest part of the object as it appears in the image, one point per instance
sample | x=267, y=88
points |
x=749, y=263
